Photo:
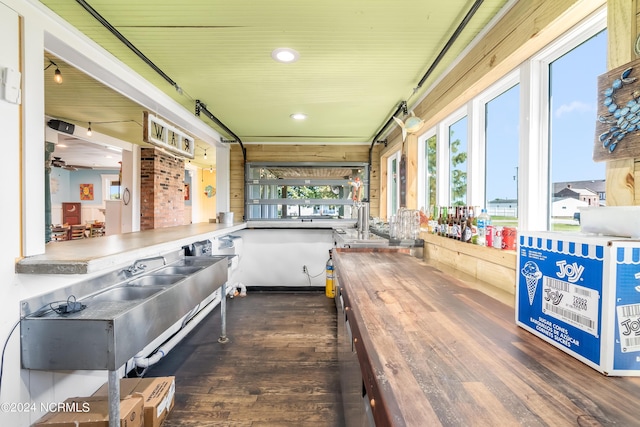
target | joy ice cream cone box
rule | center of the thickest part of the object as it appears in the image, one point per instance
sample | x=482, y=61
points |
x=581, y=293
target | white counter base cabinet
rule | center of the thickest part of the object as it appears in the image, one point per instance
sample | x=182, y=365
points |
x=275, y=258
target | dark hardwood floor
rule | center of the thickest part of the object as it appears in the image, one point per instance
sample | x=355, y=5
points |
x=280, y=367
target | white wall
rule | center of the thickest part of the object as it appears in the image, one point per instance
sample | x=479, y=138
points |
x=13, y=387
x=275, y=258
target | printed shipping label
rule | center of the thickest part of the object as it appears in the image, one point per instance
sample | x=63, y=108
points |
x=629, y=327
x=571, y=303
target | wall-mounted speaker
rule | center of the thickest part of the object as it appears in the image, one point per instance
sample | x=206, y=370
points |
x=61, y=126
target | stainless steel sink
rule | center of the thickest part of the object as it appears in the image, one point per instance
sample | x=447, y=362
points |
x=120, y=321
x=157, y=279
x=177, y=269
x=125, y=293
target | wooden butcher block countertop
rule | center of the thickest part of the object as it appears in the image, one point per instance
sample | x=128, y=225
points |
x=435, y=352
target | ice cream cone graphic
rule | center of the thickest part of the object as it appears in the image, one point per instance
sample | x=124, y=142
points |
x=532, y=275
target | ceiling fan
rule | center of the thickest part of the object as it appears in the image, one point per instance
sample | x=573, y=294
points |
x=57, y=162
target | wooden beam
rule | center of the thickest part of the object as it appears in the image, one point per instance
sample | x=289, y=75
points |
x=621, y=30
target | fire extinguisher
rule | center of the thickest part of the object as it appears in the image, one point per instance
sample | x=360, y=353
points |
x=330, y=289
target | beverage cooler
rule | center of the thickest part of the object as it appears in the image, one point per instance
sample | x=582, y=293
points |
x=581, y=293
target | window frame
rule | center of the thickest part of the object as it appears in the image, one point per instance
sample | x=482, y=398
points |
x=397, y=157
x=477, y=175
x=443, y=175
x=534, y=168
x=423, y=168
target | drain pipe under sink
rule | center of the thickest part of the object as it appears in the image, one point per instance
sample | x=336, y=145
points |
x=143, y=361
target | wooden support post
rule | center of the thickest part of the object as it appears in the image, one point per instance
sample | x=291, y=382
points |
x=622, y=32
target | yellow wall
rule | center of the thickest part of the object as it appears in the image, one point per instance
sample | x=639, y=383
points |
x=206, y=205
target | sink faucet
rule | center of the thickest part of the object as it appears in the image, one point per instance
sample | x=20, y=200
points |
x=138, y=266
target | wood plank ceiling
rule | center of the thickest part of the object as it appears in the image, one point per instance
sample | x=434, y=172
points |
x=359, y=59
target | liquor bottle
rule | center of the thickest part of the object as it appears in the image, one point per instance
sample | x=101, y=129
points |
x=443, y=224
x=433, y=228
x=466, y=226
x=472, y=223
x=450, y=226
x=457, y=223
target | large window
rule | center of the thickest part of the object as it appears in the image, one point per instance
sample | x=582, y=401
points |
x=427, y=165
x=458, y=162
x=502, y=114
x=304, y=190
x=523, y=147
x=393, y=184
x=575, y=179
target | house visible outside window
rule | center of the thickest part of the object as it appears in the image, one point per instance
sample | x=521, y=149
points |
x=573, y=95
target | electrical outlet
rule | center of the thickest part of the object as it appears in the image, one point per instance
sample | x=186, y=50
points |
x=304, y=269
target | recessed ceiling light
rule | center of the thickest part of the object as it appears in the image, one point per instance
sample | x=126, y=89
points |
x=298, y=116
x=285, y=54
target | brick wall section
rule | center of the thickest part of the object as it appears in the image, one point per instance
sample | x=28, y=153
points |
x=161, y=189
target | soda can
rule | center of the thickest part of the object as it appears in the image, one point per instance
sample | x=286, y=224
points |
x=497, y=237
x=489, y=236
x=509, y=238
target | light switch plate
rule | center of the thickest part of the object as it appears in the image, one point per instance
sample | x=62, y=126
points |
x=11, y=85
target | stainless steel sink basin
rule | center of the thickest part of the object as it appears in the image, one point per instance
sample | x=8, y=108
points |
x=126, y=293
x=106, y=336
x=157, y=279
x=186, y=270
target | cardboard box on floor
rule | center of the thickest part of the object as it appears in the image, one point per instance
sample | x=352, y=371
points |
x=156, y=392
x=93, y=411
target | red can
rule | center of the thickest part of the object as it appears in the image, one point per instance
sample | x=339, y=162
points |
x=489, y=236
x=509, y=238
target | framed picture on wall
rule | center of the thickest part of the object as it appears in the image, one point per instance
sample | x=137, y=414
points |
x=86, y=191
x=186, y=191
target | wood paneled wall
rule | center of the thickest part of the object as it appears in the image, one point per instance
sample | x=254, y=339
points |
x=622, y=26
x=301, y=153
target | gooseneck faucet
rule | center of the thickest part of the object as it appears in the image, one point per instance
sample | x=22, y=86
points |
x=139, y=265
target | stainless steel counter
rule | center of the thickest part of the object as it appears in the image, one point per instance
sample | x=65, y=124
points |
x=110, y=252
x=352, y=238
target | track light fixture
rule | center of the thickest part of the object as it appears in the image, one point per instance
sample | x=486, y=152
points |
x=89, y=130
x=57, y=75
